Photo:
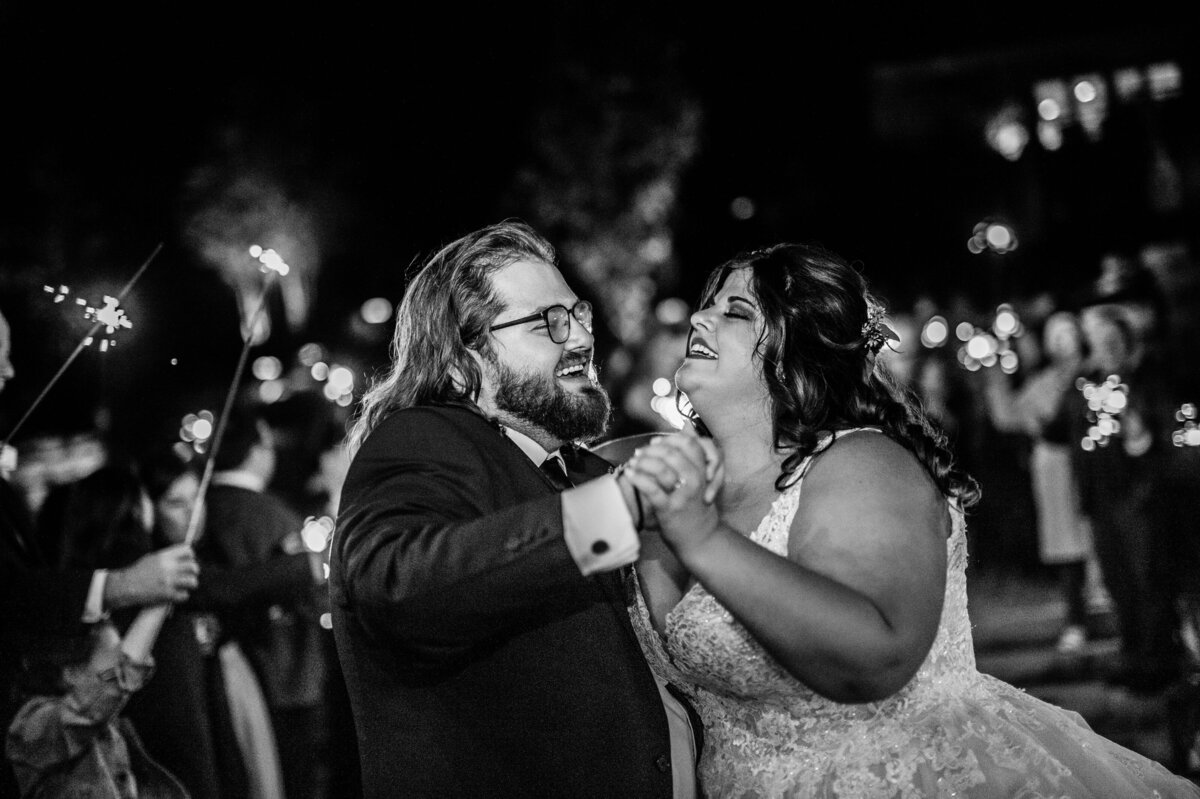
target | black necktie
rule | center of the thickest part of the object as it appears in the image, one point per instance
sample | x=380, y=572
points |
x=553, y=468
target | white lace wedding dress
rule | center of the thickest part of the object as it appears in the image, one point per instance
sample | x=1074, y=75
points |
x=951, y=732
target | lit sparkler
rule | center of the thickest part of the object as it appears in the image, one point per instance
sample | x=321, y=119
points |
x=273, y=266
x=1105, y=402
x=110, y=317
x=1188, y=434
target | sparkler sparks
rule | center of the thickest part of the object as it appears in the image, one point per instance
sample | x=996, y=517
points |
x=1188, y=435
x=1105, y=403
x=270, y=260
x=109, y=317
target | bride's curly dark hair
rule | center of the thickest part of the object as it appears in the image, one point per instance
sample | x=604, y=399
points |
x=818, y=349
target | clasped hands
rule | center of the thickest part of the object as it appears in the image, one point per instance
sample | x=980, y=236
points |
x=678, y=477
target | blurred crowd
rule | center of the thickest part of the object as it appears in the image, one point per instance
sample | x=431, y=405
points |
x=1072, y=414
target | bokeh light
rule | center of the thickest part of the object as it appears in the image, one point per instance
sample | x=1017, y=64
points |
x=742, y=208
x=267, y=367
x=935, y=332
x=376, y=311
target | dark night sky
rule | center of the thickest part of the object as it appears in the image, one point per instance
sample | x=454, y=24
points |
x=404, y=129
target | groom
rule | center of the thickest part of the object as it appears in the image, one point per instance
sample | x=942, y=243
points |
x=477, y=603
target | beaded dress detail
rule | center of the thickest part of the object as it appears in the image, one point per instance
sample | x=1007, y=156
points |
x=950, y=732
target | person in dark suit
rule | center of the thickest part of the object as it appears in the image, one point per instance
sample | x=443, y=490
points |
x=249, y=526
x=477, y=599
x=37, y=597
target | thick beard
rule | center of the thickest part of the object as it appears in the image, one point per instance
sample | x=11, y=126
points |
x=543, y=403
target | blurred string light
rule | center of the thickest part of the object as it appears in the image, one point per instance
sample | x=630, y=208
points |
x=664, y=404
x=311, y=363
x=742, y=208
x=1165, y=80
x=317, y=533
x=310, y=353
x=983, y=349
x=1105, y=402
x=1188, y=434
x=936, y=332
x=271, y=391
x=376, y=311
x=1086, y=98
x=1054, y=111
x=1007, y=324
x=339, y=382
x=656, y=249
x=672, y=311
x=196, y=429
x=1091, y=98
x=271, y=261
x=1006, y=132
x=990, y=235
x=269, y=370
x=267, y=367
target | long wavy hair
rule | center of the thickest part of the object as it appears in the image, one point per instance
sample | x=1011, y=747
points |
x=818, y=361
x=445, y=314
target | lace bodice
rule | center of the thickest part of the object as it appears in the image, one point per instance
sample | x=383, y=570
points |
x=767, y=734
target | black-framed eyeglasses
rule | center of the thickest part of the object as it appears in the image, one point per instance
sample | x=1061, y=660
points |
x=557, y=319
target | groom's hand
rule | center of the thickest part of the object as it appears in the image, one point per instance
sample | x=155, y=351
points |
x=671, y=473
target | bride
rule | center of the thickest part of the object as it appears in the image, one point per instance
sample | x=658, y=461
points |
x=815, y=610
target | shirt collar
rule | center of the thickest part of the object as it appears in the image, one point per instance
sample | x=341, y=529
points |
x=239, y=478
x=531, y=448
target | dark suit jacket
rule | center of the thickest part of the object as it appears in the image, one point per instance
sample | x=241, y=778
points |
x=478, y=660
x=244, y=531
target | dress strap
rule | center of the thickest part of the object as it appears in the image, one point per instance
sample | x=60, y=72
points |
x=775, y=528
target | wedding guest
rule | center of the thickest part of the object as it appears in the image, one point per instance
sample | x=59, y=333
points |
x=37, y=597
x=1041, y=409
x=68, y=736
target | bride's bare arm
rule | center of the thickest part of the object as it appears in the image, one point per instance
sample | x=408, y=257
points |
x=854, y=608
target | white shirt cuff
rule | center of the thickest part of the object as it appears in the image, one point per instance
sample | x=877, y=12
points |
x=597, y=526
x=93, y=608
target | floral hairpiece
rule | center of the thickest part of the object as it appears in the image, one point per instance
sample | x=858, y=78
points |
x=875, y=333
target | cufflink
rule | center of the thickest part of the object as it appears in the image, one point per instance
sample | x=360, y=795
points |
x=599, y=547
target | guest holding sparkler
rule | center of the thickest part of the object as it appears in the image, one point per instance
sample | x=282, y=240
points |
x=1041, y=410
x=37, y=597
x=1121, y=442
x=68, y=737
x=248, y=526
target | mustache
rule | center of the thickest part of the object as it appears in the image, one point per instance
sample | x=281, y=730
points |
x=574, y=359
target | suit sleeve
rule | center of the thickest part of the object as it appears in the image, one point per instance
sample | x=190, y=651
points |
x=423, y=559
x=280, y=579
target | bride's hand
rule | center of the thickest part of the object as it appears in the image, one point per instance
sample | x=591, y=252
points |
x=679, y=477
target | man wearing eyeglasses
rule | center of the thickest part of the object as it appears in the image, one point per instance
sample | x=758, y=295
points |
x=478, y=603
